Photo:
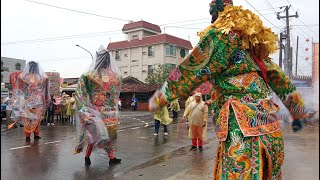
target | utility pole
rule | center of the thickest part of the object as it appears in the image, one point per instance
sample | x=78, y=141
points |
x=288, y=57
x=281, y=48
x=290, y=64
x=297, y=50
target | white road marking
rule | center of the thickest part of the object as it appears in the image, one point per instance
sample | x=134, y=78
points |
x=143, y=121
x=121, y=130
x=52, y=142
x=135, y=128
x=20, y=147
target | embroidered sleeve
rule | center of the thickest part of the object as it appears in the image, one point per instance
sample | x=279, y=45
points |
x=83, y=99
x=206, y=61
x=286, y=91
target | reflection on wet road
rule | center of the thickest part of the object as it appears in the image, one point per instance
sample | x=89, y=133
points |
x=144, y=156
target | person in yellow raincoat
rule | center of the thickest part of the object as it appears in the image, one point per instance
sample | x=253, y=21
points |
x=175, y=107
x=189, y=100
x=64, y=107
x=197, y=113
x=161, y=116
x=71, y=108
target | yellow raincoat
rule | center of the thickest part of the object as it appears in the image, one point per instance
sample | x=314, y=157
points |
x=174, y=105
x=197, y=114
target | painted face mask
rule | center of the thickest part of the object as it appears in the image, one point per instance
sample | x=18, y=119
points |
x=217, y=6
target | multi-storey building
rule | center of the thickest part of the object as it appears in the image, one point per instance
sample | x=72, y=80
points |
x=146, y=48
x=8, y=66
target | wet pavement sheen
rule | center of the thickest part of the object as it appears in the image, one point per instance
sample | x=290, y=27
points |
x=144, y=156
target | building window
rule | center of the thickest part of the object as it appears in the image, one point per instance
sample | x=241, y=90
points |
x=170, y=66
x=134, y=37
x=18, y=66
x=150, y=69
x=125, y=72
x=182, y=53
x=134, y=60
x=118, y=55
x=125, y=55
x=1, y=78
x=150, y=51
x=170, y=50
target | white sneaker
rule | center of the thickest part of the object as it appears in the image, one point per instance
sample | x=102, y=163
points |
x=48, y=124
x=52, y=124
x=156, y=134
x=166, y=134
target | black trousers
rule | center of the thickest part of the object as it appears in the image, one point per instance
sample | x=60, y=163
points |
x=157, y=126
x=50, y=116
x=175, y=114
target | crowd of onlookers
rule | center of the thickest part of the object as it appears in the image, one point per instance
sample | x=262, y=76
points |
x=60, y=108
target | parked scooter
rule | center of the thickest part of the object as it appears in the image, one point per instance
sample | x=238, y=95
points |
x=134, y=104
x=119, y=105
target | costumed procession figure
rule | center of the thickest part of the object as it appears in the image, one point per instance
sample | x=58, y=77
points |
x=175, y=107
x=97, y=112
x=30, y=99
x=161, y=114
x=233, y=54
x=197, y=114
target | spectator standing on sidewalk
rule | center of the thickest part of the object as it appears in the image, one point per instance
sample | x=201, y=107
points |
x=8, y=102
x=51, y=112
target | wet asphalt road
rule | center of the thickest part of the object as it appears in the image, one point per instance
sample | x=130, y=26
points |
x=143, y=155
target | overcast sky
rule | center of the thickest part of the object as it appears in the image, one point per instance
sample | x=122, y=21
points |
x=22, y=20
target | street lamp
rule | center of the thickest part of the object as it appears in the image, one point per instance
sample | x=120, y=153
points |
x=85, y=50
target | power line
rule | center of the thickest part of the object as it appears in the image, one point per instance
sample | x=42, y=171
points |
x=62, y=59
x=73, y=10
x=300, y=33
x=182, y=27
x=206, y=18
x=62, y=38
x=308, y=27
x=268, y=3
x=79, y=59
x=261, y=14
x=179, y=22
x=302, y=21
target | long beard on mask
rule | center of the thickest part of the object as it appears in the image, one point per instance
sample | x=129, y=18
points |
x=214, y=17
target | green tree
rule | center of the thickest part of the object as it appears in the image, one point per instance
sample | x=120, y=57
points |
x=159, y=75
